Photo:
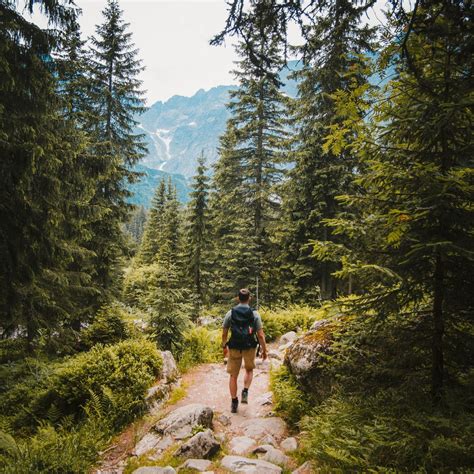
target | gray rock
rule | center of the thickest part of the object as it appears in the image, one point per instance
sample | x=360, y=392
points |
x=318, y=324
x=306, y=468
x=241, y=445
x=284, y=347
x=224, y=419
x=275, y=456
x=154, y=470
x=200, y=465
x=180, y=422
x=201, y=445
x=147, y=443
x=157, y=393
x=249, y=466
x=289, y=444
x=170, y=370
x=262, y=448
x=288, y=337
x=265, y=399
x=273, y=354
x=306, y=356
x=257, y=428
x=269, y=439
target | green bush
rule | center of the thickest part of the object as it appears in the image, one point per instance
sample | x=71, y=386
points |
x=290, y=401
x=200, y=345
x=109, y=326
x=355, y=434
x=293, y=318
x=115, y=376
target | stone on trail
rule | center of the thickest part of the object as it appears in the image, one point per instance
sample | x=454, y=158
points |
x=200, y=465
x=147, y=443
x=201, y=445
x=275, y=456
x=224, y=420
x=284, y=347
x=180, y=422
x=257, y=428
x=154, y=470
x=273, y=354
x=306, y=468
x=264, y=399
x=289, y=444
x=269, y=439
x=288, y=337
x=249, y=466
x=241, y=445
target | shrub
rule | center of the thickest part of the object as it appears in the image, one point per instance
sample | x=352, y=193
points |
x=290, y=401
x=294, y=318
x=353, y=433
x=200, y=345
x=117, y=376
x=109, y=326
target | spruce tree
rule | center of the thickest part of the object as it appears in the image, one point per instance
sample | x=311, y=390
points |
x=411, y=247
x=197, y=235
x=116, y=100
x=258, y=128
x=330, y=57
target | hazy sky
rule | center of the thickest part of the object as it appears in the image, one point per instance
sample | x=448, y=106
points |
x=173, y=38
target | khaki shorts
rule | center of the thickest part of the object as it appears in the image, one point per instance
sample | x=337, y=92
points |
x=234, y=361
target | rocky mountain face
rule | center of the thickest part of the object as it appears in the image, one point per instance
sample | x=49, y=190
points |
x=178, y=130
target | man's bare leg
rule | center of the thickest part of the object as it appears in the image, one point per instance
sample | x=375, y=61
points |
x=247, y=379
x=233, y=386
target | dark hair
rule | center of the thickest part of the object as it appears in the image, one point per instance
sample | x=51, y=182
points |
x=244, y=295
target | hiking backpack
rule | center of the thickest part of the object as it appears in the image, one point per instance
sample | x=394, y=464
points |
x=242, y=327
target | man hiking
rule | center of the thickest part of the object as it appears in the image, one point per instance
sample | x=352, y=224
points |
x=246, y=327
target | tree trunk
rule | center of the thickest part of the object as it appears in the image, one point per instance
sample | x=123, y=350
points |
x=437, y=374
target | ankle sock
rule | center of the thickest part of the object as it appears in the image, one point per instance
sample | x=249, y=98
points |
x=245, y=390
x=235, y=399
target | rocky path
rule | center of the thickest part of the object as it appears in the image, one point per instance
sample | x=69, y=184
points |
x=200, y=434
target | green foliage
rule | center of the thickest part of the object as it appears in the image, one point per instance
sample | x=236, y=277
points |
x=200, y=345
x=108, y=327
x=111, y=380
x=290, y=401
x=277, y=322
x=366, y=433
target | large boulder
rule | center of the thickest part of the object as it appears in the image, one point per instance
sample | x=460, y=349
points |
x=180, y=422
x=306, y=355
x=288, y=337
x=249, y=466
x=241, y=444
x=201, y=445
x=257, y=428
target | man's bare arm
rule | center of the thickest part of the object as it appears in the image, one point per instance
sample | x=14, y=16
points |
x=263, y=344
x=225, y=333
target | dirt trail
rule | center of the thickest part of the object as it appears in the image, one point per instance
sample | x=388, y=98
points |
x=208, y=384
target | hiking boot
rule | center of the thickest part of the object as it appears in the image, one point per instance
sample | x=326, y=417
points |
x=234, y=405
x=245, y=396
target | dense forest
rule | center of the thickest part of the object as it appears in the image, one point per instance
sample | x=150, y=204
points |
x=351, y=203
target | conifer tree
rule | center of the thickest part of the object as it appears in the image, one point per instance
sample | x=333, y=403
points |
x=257, y=127
x=116, y=100
x=197, y=234
x=330, y=57
x=152, y=234
x=411, y=247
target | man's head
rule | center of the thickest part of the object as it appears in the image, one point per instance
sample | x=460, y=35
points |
x=244, y=295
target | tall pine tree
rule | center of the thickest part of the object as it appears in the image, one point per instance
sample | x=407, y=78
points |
x=257, y=129
x=331, y=62
x=116, y=100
